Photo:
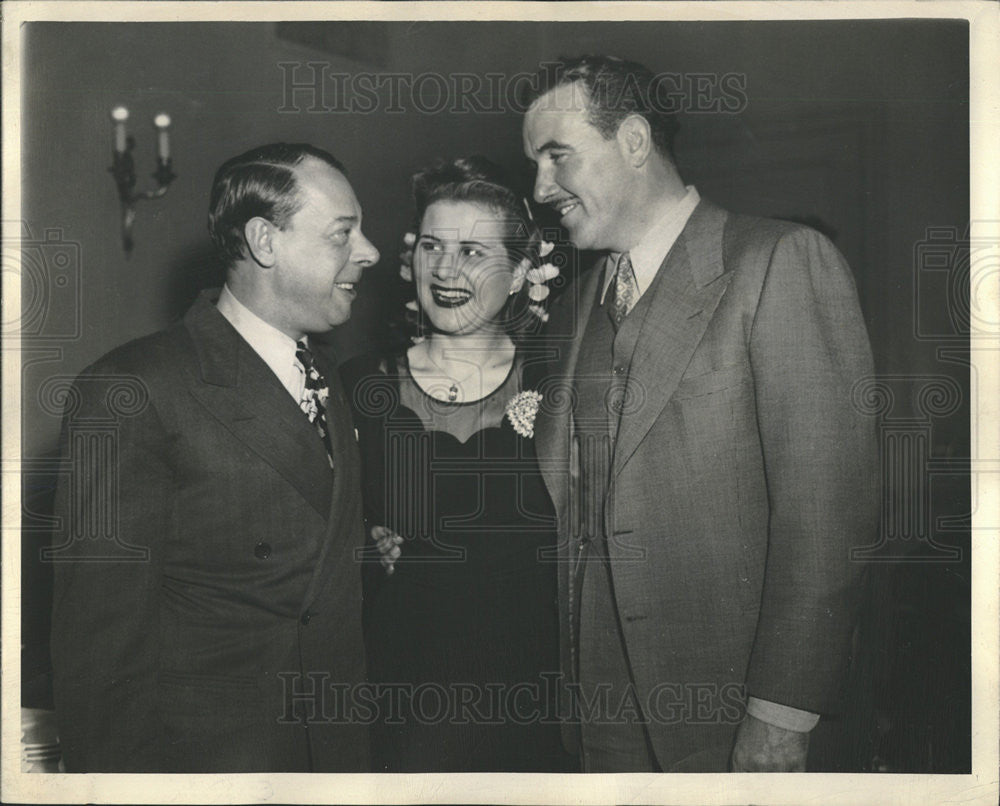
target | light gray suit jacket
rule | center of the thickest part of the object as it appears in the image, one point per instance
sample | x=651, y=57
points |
x=743, y=474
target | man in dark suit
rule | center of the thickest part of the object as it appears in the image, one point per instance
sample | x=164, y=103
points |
x=208, y=603
x=711, y=471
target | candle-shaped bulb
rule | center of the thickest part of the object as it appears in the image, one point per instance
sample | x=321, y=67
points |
x=162, y=123
x=119, y=115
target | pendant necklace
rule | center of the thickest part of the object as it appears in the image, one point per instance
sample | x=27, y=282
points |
x=456, y=384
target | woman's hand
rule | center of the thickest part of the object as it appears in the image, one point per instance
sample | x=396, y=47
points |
x=387, y=542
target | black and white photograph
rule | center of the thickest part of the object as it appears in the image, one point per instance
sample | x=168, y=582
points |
x=500, y=402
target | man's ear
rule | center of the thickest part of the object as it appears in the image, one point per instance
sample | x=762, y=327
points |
x=520, y=272
x=635, y=139
x=259, y=234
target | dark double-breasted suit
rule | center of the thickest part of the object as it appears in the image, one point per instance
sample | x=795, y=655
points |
x=207, y=606
x=742, y=473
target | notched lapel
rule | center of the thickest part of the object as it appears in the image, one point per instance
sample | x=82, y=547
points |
x=687, y=291
x=242, y=393
x=552, y=428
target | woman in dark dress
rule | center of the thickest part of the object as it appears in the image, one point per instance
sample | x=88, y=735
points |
x=461, y=629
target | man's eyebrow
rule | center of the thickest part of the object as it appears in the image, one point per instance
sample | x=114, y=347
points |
x=551, y=145
x=340, y=220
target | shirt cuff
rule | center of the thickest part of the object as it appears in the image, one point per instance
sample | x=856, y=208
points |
x=782, y=716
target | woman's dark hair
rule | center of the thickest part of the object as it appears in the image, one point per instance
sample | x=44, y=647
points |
x=477, y=180
x=260, y=182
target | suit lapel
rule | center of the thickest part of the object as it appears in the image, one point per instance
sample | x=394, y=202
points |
x=242, y=393
x=346, y=487
x=687, y=290
x=554, y=425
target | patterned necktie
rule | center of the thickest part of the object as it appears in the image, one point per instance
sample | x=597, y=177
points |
x=314, y=396
x=624, y=291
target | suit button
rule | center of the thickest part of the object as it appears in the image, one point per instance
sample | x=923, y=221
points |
x=306, y=617
x=262, y=550
x=618, y=371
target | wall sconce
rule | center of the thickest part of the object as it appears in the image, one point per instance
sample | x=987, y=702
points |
x=123, y=168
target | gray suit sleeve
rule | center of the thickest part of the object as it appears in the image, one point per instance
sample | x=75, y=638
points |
x=808, y=347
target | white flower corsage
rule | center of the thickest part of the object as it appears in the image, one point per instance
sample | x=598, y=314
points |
x=522, y=410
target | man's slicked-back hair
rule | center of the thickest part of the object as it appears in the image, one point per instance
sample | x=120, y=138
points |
x=616, y=88
x=260, y=182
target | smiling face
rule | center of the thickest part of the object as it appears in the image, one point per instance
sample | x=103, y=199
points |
x=320, y=253
x=462, y=270
x=582, y=176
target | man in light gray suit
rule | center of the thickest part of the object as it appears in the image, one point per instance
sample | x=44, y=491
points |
x=711, y=473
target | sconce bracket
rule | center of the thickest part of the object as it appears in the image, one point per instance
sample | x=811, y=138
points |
x=123, y=170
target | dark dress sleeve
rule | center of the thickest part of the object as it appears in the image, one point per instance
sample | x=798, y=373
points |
x=372, y=395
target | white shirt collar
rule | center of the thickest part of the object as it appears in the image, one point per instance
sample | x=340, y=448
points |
x=648, y=255
x=275, y=348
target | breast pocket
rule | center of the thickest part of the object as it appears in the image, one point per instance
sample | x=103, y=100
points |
x=719, y=381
